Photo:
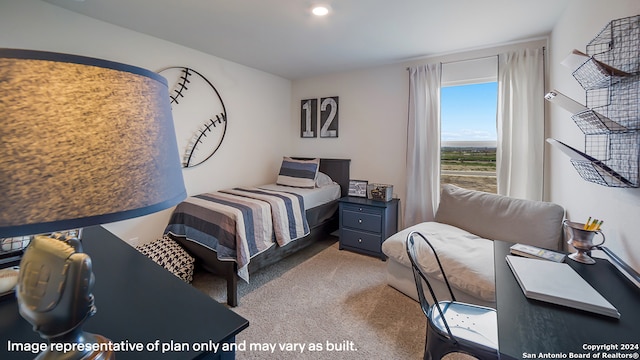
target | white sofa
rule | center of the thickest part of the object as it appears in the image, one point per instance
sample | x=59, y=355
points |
x=465, y=223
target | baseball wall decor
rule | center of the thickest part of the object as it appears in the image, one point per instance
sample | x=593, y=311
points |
x=199, y=114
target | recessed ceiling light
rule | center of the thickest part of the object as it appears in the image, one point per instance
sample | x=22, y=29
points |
x=320, y=10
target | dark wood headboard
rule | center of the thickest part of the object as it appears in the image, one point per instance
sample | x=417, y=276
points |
x=338, y=170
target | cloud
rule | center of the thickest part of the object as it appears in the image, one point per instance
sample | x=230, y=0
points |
x=468, y=135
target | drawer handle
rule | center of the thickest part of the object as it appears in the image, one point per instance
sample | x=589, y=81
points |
x=359, y=221
x=359, y=240
x=359, y=209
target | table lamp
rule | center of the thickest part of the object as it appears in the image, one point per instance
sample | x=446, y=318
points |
x=83, y=141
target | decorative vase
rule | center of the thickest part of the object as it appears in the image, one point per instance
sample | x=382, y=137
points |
x=582, y=240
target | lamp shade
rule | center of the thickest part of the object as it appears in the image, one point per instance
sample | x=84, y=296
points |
x=83, y=141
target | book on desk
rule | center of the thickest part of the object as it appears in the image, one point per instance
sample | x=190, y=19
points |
x=558, y=283
x=535, y=252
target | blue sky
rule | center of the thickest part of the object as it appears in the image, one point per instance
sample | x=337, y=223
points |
x=468, y=112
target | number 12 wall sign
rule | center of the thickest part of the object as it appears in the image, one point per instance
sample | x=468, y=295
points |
x=328, y=117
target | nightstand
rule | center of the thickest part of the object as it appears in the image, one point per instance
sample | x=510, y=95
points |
x=365, y=224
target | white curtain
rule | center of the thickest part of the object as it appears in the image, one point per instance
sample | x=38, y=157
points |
x=520, y=124
x=423, y=144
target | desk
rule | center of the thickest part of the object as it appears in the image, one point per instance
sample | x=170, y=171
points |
x=137, y=301
x=527, y=326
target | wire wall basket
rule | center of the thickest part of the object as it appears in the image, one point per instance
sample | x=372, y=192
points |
x=617, y=157
x=592, y=123
x=11, y=249
x=619, y=103
x=15, y=244
x=611, y=126
x=617, y=45
x=594, y=74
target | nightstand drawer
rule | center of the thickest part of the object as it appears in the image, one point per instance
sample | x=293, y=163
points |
x=362, y=221
x=362, y=208
x=364, y=241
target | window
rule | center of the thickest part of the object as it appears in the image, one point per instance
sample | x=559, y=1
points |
x=468, y=135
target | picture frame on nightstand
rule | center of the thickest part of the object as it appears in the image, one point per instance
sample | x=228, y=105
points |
x=358, y=188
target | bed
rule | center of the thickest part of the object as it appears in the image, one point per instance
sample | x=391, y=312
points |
x=235, y=232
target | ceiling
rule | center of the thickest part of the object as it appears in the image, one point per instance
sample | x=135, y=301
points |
x=282, y=37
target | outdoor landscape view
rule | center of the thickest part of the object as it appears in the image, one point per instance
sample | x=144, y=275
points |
x=468, y=136
x=471, y=166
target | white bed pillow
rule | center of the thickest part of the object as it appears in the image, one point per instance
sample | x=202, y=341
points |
x=298, y=173
x=323, y=179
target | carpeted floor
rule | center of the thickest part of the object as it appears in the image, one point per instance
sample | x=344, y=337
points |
x=323, y=303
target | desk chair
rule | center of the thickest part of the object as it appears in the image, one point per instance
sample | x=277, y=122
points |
x=452, y=326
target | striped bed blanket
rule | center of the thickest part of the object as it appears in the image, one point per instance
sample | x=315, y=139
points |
x=240, y=223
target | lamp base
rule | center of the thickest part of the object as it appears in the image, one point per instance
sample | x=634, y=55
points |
x=98, y=354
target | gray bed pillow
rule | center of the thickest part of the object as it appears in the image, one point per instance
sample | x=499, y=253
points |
x=298, y=173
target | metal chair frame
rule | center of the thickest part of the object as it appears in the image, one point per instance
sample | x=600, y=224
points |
x=439, y=343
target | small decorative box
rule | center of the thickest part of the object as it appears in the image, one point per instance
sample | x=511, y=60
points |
x=380, y=192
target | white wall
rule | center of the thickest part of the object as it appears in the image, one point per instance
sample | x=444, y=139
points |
x=257, y=103
x=619, y=208
x=373, y=116
x=372, y=122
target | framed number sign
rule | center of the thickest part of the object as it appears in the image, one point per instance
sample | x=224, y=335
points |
x=308, y=118
x=329, y=117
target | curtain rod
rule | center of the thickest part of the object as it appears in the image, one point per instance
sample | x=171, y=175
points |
x=544, y=48
x=457, y=61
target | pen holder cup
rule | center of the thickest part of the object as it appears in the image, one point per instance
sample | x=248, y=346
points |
x=582, y=241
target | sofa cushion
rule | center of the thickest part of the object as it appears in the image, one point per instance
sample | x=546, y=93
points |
x=467, y=259
x=499, y=217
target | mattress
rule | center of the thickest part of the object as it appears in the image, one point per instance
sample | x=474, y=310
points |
x=240, y=223
x=312, y=197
